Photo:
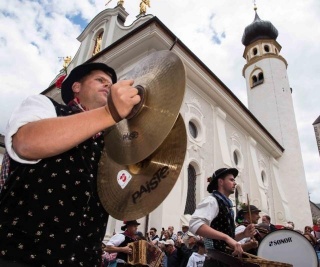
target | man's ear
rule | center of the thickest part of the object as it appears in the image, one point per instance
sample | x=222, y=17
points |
x=76, y=87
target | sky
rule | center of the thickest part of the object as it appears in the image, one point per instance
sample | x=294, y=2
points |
x=36, y=35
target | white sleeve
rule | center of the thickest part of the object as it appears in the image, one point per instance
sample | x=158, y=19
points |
x=33, y=108
x=116, y=240
x=205, y=212
x=239, y=230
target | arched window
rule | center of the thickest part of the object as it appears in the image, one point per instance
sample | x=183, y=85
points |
x=254, y=79
x=255, y=51
x=257, y=78
x=267, y=48
x=191, y=193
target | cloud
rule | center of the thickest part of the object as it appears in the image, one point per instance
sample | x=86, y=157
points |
x=36, y=34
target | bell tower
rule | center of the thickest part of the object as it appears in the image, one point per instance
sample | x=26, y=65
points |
x=270, y=101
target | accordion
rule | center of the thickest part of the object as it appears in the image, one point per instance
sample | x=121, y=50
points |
x=145, y=254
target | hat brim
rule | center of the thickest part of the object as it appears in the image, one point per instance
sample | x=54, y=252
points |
x=78, y=73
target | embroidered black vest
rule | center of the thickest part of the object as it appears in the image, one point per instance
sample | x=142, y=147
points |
x=127, y=240
x=50, y=212
x=223, y=223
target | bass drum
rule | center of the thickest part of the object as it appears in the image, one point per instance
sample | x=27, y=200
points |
x=288, y=246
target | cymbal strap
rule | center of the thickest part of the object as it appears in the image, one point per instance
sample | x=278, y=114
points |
x=113, y=110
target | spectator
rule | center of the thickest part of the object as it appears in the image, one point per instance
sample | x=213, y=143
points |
x=267, y=220
x=172, y=254
x=185, y=229
x=173, y=236
x=186, y=247
x=165, y=235
x=307, y=234
x=197, y=258
x=152, y=236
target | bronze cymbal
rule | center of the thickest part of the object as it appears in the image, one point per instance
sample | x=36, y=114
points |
x=129, y=192
x=163, y=79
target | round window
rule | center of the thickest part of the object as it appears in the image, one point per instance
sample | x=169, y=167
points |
x=235, y=158
x=193, y=129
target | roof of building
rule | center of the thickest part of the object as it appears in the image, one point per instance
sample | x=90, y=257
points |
x=259, y=29
x=316, y=121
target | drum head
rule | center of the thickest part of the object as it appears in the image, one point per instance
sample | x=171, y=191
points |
x=288, y=246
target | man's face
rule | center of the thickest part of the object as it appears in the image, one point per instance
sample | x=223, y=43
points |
x=93, y=89
x=185, y=229
x=254, y=217
x=132, y=229
x=170, y=229
x=192, y=240
x=265, y=220
x=227, y=185
x=152, y=232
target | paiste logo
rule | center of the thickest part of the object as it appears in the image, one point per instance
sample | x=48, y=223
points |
x=280, y=241
x=152, y=184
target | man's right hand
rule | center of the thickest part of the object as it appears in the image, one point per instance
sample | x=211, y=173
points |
x=127, y=250
x=124, y=97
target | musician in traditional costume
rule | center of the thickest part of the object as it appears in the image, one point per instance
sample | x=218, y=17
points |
x=214, y=217
x=50, y=211
x=244, y=217
x=119, y=242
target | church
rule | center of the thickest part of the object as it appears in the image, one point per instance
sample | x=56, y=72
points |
x=261, y=141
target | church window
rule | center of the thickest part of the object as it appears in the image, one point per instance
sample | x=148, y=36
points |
x=254, y=79
x=276, y=51
x=267, y=48
x=191, y=192
x=255, y=51
x=264, y=178
x=235, y=158
x=257, y=78
x=260, y=76
x=193, y=130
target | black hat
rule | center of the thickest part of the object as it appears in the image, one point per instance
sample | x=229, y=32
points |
x=213, y=185
x=78, y=73
x=128, y=223
x=252, y=209
x=243, y=211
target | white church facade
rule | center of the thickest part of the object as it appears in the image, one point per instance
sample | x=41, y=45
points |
x=260, y=141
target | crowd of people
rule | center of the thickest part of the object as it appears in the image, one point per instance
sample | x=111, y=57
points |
x=185, y=249
x=213, y=227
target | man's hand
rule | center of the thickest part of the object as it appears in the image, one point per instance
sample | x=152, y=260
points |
x=124, y=97
x=237, y=248
x=127, y=250
x=250, y=231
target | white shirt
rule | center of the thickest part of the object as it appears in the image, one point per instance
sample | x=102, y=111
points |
x=206, y=211
x=33, y=108
x=241, y=229
x=116, y=240
x=196, y=260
